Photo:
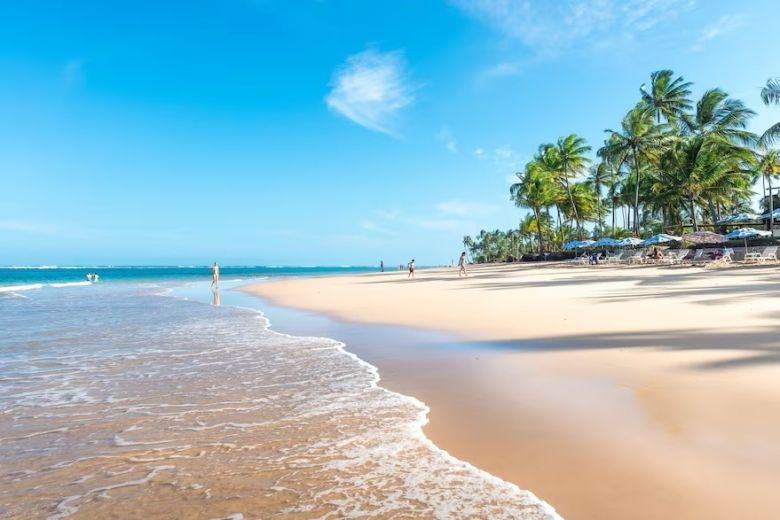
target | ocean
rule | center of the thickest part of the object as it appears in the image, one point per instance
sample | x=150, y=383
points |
x=141, y=397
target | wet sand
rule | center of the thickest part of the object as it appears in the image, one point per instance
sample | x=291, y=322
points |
x=608, y=392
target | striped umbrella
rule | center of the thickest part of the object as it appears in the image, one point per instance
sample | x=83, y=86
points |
x=704, y=237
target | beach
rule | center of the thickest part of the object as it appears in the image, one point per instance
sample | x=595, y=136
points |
x=609, y=392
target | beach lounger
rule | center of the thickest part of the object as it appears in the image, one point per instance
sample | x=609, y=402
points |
x=769, y=253
x=582, y=259
x=676, y=258
x=637, y=258
x=614, y=258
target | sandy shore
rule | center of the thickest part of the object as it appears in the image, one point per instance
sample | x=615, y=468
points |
x=609, y=392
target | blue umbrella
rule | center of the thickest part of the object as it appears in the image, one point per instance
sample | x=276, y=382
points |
x=776, y=213
x=630, y=242
x=662, y=238
x=577, y=244
x=605, y=242
x=740, y=217
x=745, y=233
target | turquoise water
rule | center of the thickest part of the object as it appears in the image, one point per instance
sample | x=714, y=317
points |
x=152, y=392
x=28, y=278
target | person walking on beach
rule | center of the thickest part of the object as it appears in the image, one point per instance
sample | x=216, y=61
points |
x=411, y=269
x=462, y=265
x=215, y=275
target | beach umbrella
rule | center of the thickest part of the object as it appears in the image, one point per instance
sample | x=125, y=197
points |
x=630, y=242
x=605, y=242
x=776, y=213
x=745, y=233
x=704, y=237
x=661, y=238
x=741, y=217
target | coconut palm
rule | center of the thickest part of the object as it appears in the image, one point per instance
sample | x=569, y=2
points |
x=638, y=141
x=667, y=97
x=599, y=176
x=570, y=155
x=770, y=94
x=767, y=165
x=719, y=116
x=534, y=191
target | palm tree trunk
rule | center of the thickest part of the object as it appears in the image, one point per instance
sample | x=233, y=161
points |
x=693, y=214
x=571, y=201
x=771, y=206
x=636, y=194
x=714, y=215
x=539, y=232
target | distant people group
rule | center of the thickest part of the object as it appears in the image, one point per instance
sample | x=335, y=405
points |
x=93, y=277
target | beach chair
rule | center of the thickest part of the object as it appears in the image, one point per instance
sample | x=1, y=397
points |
x=614, y=258
x=638, y=257
x=769, y=253
x=675, y=258
x=581, y=260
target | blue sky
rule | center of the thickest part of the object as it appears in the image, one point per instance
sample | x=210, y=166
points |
x=321, y=132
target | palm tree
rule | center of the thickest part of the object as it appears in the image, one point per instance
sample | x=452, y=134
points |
x=770, y=94
x=768, y=166
x=534, y=190
x=598, y=178
x=721, y=117
x=569, y=152
x=638, y=141
x=667, y=98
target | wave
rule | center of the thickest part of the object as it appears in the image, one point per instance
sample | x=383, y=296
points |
x=34, y=286
x=494, y=489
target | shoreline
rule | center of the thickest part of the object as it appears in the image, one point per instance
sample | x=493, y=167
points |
x=607, y=402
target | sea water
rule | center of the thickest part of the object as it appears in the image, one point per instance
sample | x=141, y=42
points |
x=124, y=400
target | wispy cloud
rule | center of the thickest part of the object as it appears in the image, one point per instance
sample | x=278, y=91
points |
x=446, y=137
x=371, y=89
x=724, y=25
x=550, y=27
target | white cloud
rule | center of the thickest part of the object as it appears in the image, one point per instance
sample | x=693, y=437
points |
x=479, y=153
x=724, y=25
x=387, y=214
x=445, y=136
x=549, y=27
x=371, y=88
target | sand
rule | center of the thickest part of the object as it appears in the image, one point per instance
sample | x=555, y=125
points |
x=610, y=392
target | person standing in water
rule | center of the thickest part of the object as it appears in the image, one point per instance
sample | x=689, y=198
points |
x=411, y=269
x=382, y=266
x=95, y=278
x=215, y=275
x=89, y=277
x=462, y=265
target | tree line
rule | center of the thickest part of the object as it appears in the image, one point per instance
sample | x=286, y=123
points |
x=673, y=164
